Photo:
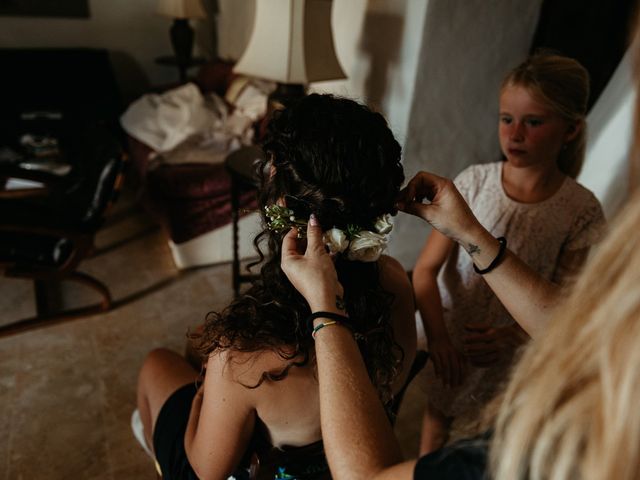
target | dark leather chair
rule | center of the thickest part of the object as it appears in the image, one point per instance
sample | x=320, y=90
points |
x=45, y=236
x=69, y=95
x=78, y=84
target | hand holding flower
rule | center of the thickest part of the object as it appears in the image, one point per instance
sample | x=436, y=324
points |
x=311, y=271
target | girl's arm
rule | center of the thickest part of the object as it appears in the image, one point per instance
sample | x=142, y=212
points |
x=447, y=362
x=569, y=265
x=221, y=421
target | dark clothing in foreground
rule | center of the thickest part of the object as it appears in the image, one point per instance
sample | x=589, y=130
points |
x=463, y=460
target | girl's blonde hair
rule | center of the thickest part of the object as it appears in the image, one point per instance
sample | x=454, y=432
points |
x=561, y=83
x=571, y=408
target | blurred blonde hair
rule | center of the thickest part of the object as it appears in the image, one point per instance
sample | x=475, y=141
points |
x=571, y=408
x=562, y=84
x=634, y=159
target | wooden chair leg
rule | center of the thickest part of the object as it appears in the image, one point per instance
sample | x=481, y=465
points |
x=52, y=318
x=42, y=297
x=95, y=284
x=48, y=296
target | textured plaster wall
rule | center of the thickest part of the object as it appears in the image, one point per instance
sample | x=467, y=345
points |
x=467, y=47
x=378, y=44
x=610, y=122
x=235, y=22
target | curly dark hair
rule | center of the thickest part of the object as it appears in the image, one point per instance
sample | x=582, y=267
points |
x=339, y=160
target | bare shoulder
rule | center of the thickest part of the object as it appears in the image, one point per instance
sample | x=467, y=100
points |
x=395, y=280
x=275, y=402
x=393, y=277
x=243, y=368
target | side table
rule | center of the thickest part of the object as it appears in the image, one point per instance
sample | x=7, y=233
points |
x=172, y=61
x=241, y=167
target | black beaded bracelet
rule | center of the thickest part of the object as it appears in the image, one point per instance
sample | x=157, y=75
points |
x=496, y=261
x=343, y=319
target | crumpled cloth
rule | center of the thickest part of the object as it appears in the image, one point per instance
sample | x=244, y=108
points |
x=211, y=125
x=162, y=121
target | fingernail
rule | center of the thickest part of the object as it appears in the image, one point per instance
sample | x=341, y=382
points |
x=313, y=221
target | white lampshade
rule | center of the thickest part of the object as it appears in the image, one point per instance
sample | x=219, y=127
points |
x=181, y=9
x=291, y=43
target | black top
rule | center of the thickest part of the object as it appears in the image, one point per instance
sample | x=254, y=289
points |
x=463, y=460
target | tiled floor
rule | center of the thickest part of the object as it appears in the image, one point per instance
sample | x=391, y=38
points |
x=67, y=390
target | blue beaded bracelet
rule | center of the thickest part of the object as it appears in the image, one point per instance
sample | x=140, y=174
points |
x=335, y=319
x=320, y=326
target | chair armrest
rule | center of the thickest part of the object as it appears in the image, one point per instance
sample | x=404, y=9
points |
x=78, y=245
x=25, y=192
x=75, y=236
x=49, y=181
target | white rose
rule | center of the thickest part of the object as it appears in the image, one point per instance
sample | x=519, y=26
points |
x=383, y=224
x=366, y=246
x=336, y=240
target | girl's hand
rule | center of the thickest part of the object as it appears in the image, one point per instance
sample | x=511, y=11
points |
x=312, y=272
x=448, y=363
x=488, y=345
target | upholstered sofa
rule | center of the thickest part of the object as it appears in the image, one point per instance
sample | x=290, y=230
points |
x=192, y=200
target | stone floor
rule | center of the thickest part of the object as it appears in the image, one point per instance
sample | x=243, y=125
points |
x=67, y=390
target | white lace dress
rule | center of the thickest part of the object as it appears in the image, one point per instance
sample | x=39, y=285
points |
x=540, y=234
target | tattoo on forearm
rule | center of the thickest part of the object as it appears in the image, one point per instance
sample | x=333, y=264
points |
x=340, y=302
x=473, y=249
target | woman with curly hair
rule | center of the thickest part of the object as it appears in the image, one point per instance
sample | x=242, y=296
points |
x=338, y=161
x=569, y=410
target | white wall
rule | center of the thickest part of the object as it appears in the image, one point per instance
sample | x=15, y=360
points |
x=235, y=23
x=129, y=29
x=610, y=122
x=378, y=45
x=466, y=49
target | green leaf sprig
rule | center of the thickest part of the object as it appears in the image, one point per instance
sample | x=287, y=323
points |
x=282, y=219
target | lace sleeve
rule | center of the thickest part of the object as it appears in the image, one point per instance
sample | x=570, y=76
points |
x=588, y=227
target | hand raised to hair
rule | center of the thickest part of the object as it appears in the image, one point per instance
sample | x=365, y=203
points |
x=446, y=211
x=312, y=272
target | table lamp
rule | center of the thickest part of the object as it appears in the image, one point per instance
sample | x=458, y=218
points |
x=291, y=44
x=181, y=32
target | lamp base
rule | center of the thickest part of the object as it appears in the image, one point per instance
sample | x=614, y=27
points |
x=285, y=93
x=182, y=41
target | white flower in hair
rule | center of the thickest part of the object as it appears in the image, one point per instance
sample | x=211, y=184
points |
x=360, y=245
x=336, y=240
x=383, y=224
x=366, y=246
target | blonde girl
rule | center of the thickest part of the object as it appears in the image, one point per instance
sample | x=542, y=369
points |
x=531, y=200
